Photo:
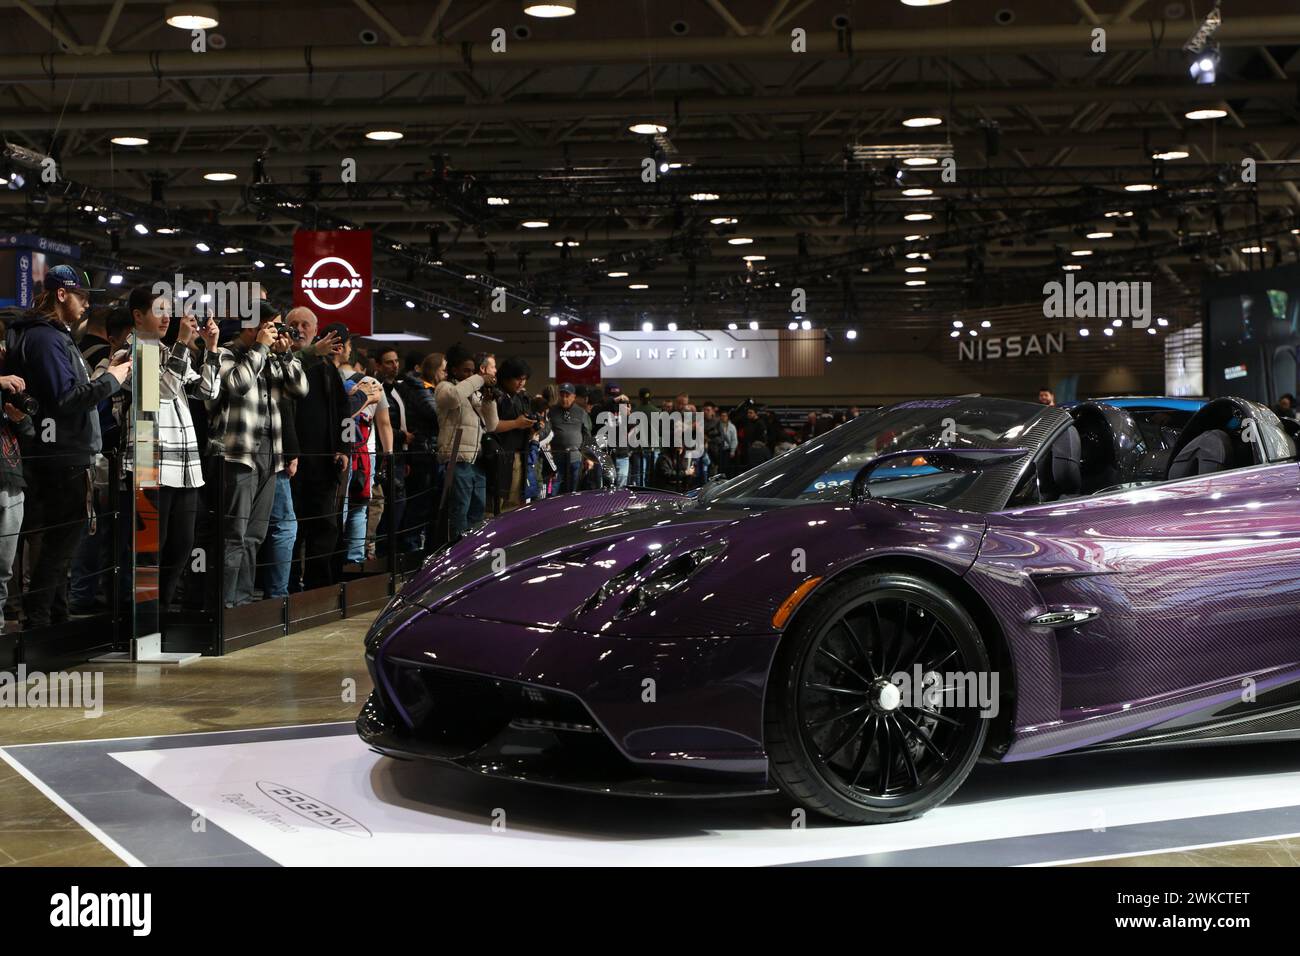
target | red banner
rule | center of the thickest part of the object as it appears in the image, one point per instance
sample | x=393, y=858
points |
x=577, y=354
x=332, y=276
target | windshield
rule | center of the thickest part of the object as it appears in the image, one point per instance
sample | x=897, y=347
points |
x=823, y=469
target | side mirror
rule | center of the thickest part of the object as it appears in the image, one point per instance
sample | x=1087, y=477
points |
x=945, y=459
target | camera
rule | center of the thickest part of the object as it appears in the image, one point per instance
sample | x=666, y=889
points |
x=25, y=403
x=288, y=330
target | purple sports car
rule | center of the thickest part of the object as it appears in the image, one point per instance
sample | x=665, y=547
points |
x=997, y=579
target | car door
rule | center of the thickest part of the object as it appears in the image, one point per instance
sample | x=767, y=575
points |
x=1164, y=597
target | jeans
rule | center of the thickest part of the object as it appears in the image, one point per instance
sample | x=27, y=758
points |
x=284, y=532
x=250, y=493
x=467, y=499
x=641, y=467
x=178, y=509
x=11, y=522
x=570, y=473
x=354, y=528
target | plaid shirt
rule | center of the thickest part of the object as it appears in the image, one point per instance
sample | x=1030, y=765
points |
x=253, y=380
x=179, y=465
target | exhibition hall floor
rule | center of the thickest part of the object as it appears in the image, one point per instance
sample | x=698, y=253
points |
x=251, y=760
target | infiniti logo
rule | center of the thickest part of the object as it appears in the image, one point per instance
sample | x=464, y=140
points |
x=310, y=808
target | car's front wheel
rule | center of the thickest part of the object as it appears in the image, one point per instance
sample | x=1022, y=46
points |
x=879, y=699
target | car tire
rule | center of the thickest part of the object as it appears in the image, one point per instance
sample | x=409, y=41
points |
x=852, y=630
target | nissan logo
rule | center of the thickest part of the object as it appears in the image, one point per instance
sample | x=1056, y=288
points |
x=577, y=353
x=309, y=808
x=332, y=285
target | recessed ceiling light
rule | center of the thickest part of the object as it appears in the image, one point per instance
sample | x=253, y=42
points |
x=1171, y=154
x=753, y=325
x=166, y=230
x=915, y=282
x=604, y=326
x=851, y=334
x=535, y=223
x=142, y=229
x=647, y=326
x=918, y=191
x=219, y=177
x=571, y=243
x=647, y=129
x=1073, y=268
x=806, y=325
x=972, y=332
x=923, y=3
x=704, y=197
x=617, y=275
x=954, y=334
x=1081, y=252
x=672, y=326
x=918, y=217
x=1110, y=332
x=1139, y=187
x=740, y=240
x=958, y=324
x=1254, y=250
x=1084, y=332
x=1162, y=322
x=912, y=238
x=731, y=326
x=1118, y=323
x=384, y=135
x=1206, y=113
x=754, y=258
x=1151, y=331
x=191, y=16
x=913, y=255
x=1119, y=214
x=130, y=141
x=638, y=285
x=916, y=269
x=986, y=324
x=920, y=161
x=498, y=201
x=917, y=122
x=202, y=247
x=723, y=221
x=792, y=325
x=115, y=279
x=550, y=9
x=1100, y=235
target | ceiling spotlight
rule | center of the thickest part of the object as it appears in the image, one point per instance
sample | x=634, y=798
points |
x=617, y=275
x=648, y=129
x=704, y=197
x=1117, y=324
x=986, y=324
x=498, y=201
x=1101, y=235
x=672, y=326
x=1084, y=333
x=920, y=161
x=604, y=326
x=753, y=325
x=916, y=269
x=219, y=177
x=142, y=229
x=972, y=332
x=535, y=223
x=1178, y=152
x=166, y=230
x=851, y=334
x=1206, y=113
x=918, y=217
x=191, y=16
x=918, y=191
x=914, y=282
x=570, y=243
x=739, y=240
x=1204, y=67
x=1139, y=187
x=829, y=358
x=384, y=135
x=805, y=325
x=1254, y=250
x=731, y=326
x=115, y=279
x=231, y=250
x=954, y=334
x=259, y=263
x=1119, y=214
x=1072, y=268
x=1151, y=331
x=129, y=141
x=754, y=258
x=1108, y=332
x=923, y=3
x=958, y=323
x=554, y=320
x=793, y=325
x=913, y=255
x=202, y=247
x=638, y=286
x=917, y=122
x=723, y=221
x=647, y=326
x=913, y=238
x=1081, y=252
x=1162, y=322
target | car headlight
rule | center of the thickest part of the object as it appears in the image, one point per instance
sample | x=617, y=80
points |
x=668, y=578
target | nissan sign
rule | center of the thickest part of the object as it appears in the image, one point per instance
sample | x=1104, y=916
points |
x=332, y=276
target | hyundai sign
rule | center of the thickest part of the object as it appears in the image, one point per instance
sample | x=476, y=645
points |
x=332, y=277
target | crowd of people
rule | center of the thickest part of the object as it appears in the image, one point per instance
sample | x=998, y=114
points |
x=297, y=447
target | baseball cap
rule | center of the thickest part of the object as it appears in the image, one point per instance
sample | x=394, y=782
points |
x=613, y=388
x=337, y=327
x=568, y=387
x=268, y=310
x=643, y=394
x=66, y=277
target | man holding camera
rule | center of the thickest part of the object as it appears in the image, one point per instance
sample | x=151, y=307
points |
x=256, y=368
x=464, y=417
x=41, y=352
